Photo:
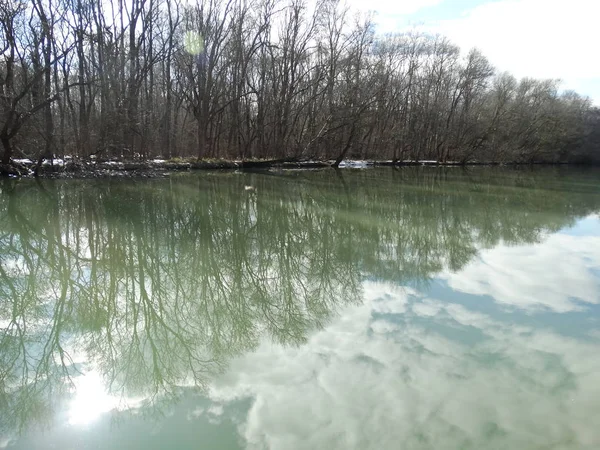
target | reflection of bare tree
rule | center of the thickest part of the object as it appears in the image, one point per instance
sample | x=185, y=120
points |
x=158, y=284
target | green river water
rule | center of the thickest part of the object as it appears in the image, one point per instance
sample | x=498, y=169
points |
x=419, y=308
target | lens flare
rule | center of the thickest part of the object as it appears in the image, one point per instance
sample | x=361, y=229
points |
x=193, y=43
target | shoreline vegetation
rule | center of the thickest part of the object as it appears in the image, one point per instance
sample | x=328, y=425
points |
x=263, y=80
x=70, y=168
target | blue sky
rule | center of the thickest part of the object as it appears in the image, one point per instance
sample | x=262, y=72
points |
x=537, y=38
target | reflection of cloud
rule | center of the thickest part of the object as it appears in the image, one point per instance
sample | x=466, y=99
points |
x=215, y=413
x=374, y=380
x=387, y=298
x=195, y=413
x=556, y=275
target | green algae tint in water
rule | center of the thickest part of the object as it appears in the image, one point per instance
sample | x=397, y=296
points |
x=376, y=309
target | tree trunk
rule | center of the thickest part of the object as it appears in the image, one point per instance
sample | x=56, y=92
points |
x=8, y=150
x=342, y=155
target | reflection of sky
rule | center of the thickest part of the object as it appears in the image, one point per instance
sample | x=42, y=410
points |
x=587, y=226
x=503, y=354
x=557, y=275
x=192, y=423
x=372, y=381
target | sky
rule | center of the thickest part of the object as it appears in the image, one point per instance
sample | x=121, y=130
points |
x=528, y=38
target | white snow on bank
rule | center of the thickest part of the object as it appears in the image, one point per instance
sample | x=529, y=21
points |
x=47, y=162
x=355, y=164
x=53, y=162
x=422, y=161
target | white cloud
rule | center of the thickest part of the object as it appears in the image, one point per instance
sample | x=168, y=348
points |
x=390, y=14
x=535, y=38
x=529, y=38
x=392, y=8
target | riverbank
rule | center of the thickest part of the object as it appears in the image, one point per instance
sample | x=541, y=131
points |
x=71, y=168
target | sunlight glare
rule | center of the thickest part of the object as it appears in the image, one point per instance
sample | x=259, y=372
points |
x=91, y=400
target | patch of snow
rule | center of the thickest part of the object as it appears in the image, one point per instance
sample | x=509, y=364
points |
x=421, y=161
x=53, y=162
x=355, y=164
x=23, y=161
x=159, y=161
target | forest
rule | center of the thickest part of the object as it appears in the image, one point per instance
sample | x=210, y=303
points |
x=285, y=80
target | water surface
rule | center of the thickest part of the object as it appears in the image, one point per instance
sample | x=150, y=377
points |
x=369, y=309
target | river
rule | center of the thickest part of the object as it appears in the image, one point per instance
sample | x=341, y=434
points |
x=412, y=308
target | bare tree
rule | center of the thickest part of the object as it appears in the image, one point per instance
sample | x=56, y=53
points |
x=274, y=79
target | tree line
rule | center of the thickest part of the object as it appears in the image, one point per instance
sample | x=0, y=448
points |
x=275, y=79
